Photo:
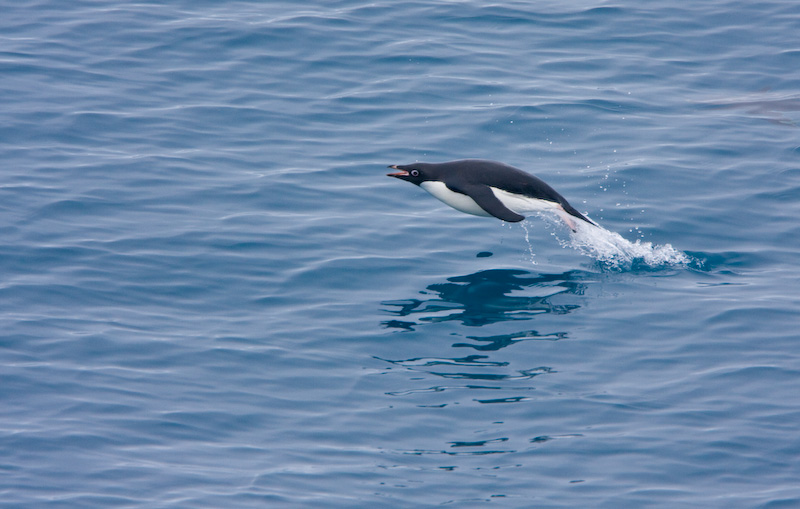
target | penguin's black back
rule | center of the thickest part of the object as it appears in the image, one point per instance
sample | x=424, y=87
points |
x=505, y=177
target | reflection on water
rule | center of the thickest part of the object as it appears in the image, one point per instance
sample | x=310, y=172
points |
x=488, y=343
x=480, y=299
x=489, y=376
x=486, y=297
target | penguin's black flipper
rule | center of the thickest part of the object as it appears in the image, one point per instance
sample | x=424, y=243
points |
x=485, y=198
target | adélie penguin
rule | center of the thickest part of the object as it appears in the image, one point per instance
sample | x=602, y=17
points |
x=488, y=188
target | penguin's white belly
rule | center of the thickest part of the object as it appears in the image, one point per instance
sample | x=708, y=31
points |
x=458, y=201
x=520, y=203
x=515, y=202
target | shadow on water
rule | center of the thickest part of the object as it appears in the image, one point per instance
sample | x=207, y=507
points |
x=487, y=297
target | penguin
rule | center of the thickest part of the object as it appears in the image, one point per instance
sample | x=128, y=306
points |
x=488, y=188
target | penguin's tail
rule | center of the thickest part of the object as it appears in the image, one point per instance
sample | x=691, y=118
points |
x=568, y=215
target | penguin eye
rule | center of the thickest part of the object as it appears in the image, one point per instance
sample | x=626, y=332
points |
x=414, y=173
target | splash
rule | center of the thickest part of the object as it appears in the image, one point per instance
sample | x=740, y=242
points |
x=531, y=254
x=613, y=251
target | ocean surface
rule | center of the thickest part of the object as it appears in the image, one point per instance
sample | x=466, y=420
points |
x=212, y=296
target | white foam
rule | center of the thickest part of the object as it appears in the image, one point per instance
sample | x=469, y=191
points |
x=614, y=251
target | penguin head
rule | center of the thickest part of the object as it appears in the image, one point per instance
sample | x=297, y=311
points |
x=416, y=173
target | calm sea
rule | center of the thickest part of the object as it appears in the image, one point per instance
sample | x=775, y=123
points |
x=212, y=296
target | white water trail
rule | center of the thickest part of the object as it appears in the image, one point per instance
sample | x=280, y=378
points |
x=614, y=251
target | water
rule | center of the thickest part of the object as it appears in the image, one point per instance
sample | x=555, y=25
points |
x=211, y=295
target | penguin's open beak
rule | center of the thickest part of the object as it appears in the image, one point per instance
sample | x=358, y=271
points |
x=401, y=173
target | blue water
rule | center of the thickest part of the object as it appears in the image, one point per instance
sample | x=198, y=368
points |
x=211, y=295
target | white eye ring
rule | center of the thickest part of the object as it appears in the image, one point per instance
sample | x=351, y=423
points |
x=414, y=173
